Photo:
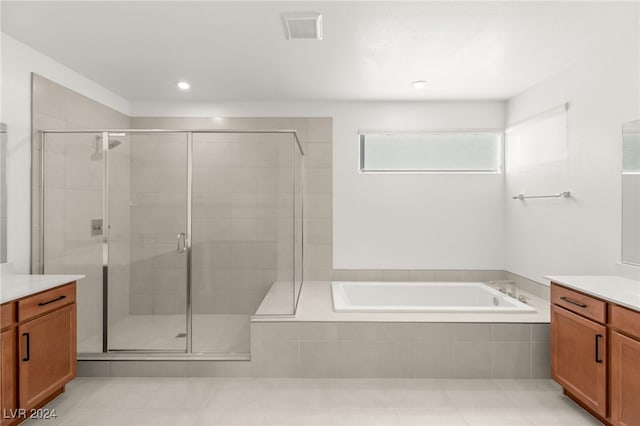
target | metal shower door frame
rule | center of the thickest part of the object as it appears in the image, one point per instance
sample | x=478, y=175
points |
x=189, y=210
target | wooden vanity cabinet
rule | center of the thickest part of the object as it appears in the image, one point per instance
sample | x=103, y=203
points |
x=625, y=366
x=47, y=355
x=579, y=357
x=38, y=351
x=595, y=355
x=8, y=362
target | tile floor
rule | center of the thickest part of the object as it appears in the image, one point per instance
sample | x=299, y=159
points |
x=324, y=402
x=211, y=334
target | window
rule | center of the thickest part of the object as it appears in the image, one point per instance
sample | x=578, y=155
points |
x=435, y=152
x=538, y=140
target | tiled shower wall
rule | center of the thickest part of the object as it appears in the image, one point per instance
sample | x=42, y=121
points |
x=75, y=179
x=157, y=206
x=73, y=198
x=242, y=221
x=242, y=211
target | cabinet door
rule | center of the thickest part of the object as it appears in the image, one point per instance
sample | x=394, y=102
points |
x=47, y=355
x=8, y=375
x=578, y=358
x=625, y=380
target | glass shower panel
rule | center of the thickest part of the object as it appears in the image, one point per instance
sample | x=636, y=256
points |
x=298, y=215
x=147, y=287
x=241, y=229
x=72, y=205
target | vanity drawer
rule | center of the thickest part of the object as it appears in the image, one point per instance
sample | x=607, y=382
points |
x=7, y=315
x=625, y=320
x=46, y=301
x=579, y=303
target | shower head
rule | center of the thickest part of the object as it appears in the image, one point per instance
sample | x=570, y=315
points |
x=112, y=142
x=97, y=154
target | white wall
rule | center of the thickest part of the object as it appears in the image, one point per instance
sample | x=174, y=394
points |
x=395, y=221
x=18, y=62
x=580, y=235
x=415, y=221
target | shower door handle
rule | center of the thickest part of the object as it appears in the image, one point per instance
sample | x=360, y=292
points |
x=182, y=242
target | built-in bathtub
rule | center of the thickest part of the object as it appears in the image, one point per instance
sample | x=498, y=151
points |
x=461, y=297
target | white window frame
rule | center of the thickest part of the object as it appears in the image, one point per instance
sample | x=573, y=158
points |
x=499, y=160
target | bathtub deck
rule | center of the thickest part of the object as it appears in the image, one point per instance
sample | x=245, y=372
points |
x=318, y=342
x=316, y=305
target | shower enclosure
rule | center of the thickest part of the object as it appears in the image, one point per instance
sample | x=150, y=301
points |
x=180, y=234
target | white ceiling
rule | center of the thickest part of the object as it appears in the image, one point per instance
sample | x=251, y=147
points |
x=370, y=51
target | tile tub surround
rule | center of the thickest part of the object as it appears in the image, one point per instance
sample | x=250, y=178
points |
x=316, y=305
x=400, y=350
x=326, y=402
x=371, y=346
x=435, y=296
x=529, y=286
x=319, y=342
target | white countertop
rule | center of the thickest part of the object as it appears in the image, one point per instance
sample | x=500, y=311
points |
x=14, y=287
x=612, y=288
x=316, y=305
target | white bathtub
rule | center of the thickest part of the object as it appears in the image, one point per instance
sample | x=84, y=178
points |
x=464, y=297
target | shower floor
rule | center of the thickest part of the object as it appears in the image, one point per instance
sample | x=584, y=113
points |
x=223, y=334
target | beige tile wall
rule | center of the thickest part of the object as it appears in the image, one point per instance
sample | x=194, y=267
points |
x=242, y=270
x=243, y=184
x=242, y=221
x=158, y=212
x=73, y=197
x=369, y=350
x=243, y=204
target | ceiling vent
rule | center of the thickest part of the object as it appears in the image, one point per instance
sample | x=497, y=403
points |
x=303, y=26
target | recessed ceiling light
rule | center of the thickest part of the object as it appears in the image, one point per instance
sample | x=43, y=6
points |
x=183, y=85
x=419, y=84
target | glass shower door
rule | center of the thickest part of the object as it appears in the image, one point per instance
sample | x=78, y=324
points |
x=147, y=282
